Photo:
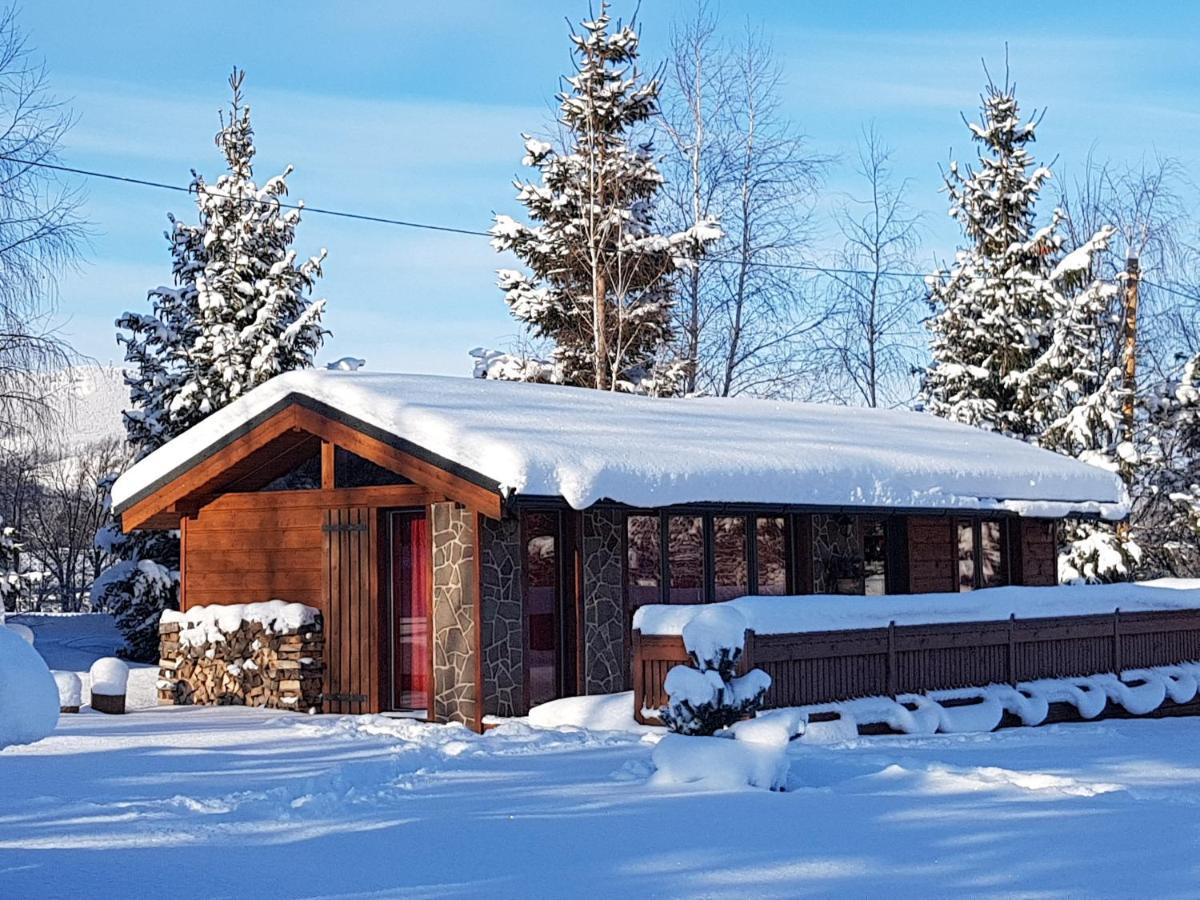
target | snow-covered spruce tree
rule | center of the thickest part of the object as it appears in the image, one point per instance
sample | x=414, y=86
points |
x=237, y=314
x=707, y=696
x=12, y=582
x=602, y=276
x=253, y=318
x=1017, y=342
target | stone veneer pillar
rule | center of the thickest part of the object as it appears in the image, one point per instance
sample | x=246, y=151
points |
x=605, y=664
x=454, y=639
x=836, y=549
x=503, y=641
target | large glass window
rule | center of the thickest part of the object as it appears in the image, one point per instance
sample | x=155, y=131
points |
x=966, y=556
x=643, y=562
x=770, y=543
x=991, y=554
x=730, y=564
x=874, y=532
x=685, y=556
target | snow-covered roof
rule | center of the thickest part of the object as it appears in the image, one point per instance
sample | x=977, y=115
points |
x=586, y=445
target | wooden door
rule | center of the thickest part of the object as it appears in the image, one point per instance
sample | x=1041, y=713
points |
x=352, y=656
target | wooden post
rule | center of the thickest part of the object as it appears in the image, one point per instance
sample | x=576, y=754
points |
x=891, y=659
x=1012, y=649
x=328, y=476
x=639, y=685
x=1129, y=358
x=1117, y=661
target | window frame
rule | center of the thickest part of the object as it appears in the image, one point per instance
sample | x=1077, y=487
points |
x=750, y=514
x=976, y=525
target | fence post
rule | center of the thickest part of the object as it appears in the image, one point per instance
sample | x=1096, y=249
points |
x=1012, y=649
x=748, y=651
x=639, y=682
x=891, y=659
x=1117, y=661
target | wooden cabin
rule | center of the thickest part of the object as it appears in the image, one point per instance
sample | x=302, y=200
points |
x=477, y=547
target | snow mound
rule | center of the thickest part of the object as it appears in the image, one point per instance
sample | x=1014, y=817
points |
x=208, y=624
x=28, y=693
x=590, y=445
x=24, y=632
x=718, y=763
x=600, y=712
x=70, y=689
x=109, y=677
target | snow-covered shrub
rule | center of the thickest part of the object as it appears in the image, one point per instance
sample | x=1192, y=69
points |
x=709, y=696
x=28, y=694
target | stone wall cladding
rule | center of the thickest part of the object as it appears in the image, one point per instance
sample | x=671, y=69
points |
x=454, y=639
x=606, y=668
x=252, y=666
x=503, y=641
x=837, y=555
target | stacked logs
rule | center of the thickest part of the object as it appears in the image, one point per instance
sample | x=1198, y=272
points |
x=251, y=666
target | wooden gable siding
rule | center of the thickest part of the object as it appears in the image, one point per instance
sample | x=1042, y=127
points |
x=932, y=555
x=254, y=458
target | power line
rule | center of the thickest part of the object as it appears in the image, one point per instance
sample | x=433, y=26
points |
x=450, y=229
x=383, y=220
x=342, y=214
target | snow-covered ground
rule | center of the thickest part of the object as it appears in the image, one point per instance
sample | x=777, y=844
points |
x=232, y=802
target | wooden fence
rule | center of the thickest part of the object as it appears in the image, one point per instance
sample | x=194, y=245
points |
x=824, y=666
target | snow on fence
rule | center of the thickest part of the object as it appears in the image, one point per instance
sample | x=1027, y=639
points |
x=813, y=667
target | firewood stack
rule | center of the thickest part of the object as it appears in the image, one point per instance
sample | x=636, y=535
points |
x=252, y=666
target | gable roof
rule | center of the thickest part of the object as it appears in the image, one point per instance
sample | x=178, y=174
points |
x=585, y=445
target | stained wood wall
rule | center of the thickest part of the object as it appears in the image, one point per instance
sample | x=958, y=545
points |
x=242, y=548
x=932, y=555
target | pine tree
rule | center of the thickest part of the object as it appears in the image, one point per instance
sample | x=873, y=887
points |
x=12, y=582
x=1018, y=343
x=237, y=314
x=602, y=279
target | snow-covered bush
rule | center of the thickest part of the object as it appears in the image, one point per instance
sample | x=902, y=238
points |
x=709, y=696
x=28, y=694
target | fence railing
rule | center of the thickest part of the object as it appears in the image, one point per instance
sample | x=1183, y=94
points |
x=824, y=666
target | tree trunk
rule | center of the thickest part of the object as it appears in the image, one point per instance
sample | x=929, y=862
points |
x=600, y=328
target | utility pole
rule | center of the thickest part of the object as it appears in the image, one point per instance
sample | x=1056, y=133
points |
x=1129, y=357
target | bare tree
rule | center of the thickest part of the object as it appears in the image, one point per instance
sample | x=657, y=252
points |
x=61, y=525
x=744, y=319
x=40, y=231
x=872, y=336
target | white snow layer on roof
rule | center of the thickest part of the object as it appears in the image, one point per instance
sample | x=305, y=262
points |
x=587, y=445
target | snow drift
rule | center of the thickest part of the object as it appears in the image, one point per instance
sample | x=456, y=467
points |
x=28, y=692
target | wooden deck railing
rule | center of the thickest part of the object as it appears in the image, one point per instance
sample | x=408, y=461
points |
x=824, y=666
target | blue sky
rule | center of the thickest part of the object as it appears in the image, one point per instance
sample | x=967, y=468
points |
x=414, y=111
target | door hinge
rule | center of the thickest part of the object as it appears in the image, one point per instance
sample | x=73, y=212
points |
x=330, y=528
